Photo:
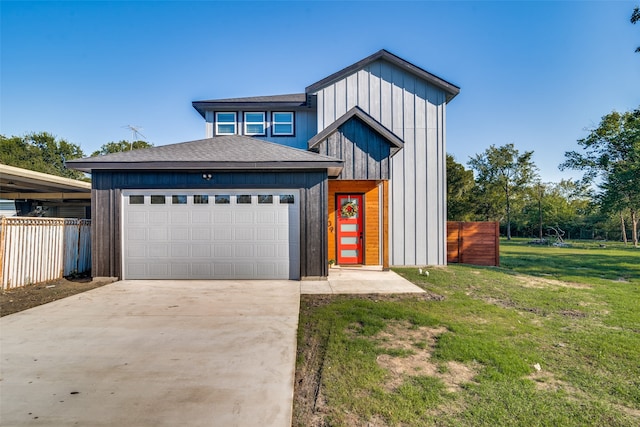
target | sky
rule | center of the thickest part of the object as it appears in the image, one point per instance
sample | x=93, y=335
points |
x=535, y=74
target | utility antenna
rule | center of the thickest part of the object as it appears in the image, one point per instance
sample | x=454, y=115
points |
x=135, y=134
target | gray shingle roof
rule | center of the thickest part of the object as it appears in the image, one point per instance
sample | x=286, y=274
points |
x=295, y=100
x=221, y=152
x=294, y=97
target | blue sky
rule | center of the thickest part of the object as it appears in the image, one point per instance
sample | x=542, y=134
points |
x=535, y=74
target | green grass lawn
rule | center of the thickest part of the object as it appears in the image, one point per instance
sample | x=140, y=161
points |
x=471, y=357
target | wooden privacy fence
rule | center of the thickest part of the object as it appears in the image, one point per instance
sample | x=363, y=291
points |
x=475, y=243
x=35, y=250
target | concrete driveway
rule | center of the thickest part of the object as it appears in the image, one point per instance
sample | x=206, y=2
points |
x=153, y=353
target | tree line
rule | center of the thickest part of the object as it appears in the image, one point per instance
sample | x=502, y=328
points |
x=43, y=152
x=504, y=185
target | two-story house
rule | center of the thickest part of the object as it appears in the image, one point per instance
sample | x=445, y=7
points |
x=351, y=170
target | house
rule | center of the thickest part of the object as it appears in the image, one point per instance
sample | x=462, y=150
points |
x=24, y=192
x=351, y=170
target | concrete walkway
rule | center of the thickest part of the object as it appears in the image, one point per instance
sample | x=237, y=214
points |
x=153, y=353
x=360, y=280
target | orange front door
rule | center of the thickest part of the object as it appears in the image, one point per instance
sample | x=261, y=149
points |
x=350, y=212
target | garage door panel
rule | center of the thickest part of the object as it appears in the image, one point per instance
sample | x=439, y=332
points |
x=180, y=270
x=266, y=234
x=136, y=250
x=157, y=233
x=137, y=234
x=200, y=233
x=180, y=250
x=137, y=269
x=266, y=217
x=198, y=238
x=201, y=270
x=179, y=233
x=223, y=270
x=243, y=217
x=225, y=234
x=201, y=251
x=267, y=269
x=158, y=251
x=222, y=251
x=243, y=270
x=243, y=250
x=200, y=217
x=179, y=218
x=244, y=233
x=137, y=218
x=158, y=270
x=158, y=218
x=222, y=217
x=266, y=251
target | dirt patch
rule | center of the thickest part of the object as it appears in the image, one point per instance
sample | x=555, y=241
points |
x=541, y=283
x=576, y=314
x=512, y=304
x=417, y=344
x=310, y=406
x=546, y=381
x=23, y=298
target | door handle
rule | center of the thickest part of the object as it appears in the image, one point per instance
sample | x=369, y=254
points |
x=360, y=235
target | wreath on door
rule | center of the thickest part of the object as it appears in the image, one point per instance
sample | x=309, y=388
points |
x=349, y=209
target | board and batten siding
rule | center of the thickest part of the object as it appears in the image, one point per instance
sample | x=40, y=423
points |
x=304, y=127
x=415, y=111
x=366, y=154
x=106, y=209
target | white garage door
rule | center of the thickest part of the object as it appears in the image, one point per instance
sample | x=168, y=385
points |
x=221, y=234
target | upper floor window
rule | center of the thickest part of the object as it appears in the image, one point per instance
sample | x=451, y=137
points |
x=282, y=123
x=254, y=124
x=225, y=123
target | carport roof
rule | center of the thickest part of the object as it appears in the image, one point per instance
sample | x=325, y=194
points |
x=231, y=152
x=19, y=183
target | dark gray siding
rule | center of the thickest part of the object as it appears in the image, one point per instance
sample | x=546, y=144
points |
x=106, y=209
x=364, y=151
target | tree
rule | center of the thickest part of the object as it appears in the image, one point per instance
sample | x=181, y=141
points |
x=503, y=170
x=611, y=159
x=40, y=152
x=460, y=184
x=120, y=146
x=635, y=17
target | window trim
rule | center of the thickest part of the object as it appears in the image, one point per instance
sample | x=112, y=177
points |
x=235, y=122
x=245, y=122
x=293, y=123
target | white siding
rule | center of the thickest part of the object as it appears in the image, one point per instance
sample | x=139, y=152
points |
x=415, y=111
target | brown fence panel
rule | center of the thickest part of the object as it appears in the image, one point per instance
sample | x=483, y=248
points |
x=473, y=243
x=453, y=241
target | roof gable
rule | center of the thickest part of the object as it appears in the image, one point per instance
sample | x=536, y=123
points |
x=394, y=141
x=364, y=146
x=450, y=89
x=221, y=152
